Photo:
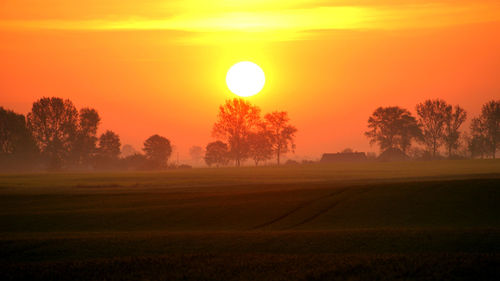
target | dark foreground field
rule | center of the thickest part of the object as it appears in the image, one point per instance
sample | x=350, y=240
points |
x=376, y=221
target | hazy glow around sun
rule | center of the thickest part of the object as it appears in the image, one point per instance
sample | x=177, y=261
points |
x=245, y=79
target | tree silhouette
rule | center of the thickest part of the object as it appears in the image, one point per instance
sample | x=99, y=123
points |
x=260, y=146
x=477, y=144
x=85, y=144
x=127, y=150
x=392, y=128
x=453, y=120
x=17, y=146
x=237, y=118
x=10, y=124
x=217, y=153
x=109, y=145
x=53, y=123
x=135, y=161
x=158, y=150
x=486, y=128
x=15, y=137
x=282, y=134
x=432, y=117
x=196, y=153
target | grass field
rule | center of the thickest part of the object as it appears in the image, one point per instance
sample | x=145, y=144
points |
x=373, y=221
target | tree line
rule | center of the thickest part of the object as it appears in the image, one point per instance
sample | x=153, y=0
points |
x=55, y=135
x=437, y=125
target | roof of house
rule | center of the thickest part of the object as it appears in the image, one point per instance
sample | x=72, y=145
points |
x=393, y=154
x=343, y=157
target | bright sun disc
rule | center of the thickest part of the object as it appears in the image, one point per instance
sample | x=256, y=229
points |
x=245, y=79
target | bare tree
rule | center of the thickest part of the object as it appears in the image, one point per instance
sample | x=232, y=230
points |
x=53, y=123
x=432, y=118
x=158, y=150
x=392, y=128
x=237, y=118
x=453, y=120
x=282, y=134
x=217, y=153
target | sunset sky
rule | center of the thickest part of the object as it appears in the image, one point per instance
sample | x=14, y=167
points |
x=159, y=66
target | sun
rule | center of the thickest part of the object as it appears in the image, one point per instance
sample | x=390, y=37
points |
x=245, y=79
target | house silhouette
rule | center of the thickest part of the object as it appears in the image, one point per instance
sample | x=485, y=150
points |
x=343, y=157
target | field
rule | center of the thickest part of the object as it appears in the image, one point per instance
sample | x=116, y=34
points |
x=373, y=221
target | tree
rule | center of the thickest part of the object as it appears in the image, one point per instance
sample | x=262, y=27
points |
x=261, y=148
x=432, y=117
x=53, y=123
x=453, y=120
x=135, y=161
x=237, y=118
x=17, y=145
x=477, y=143
x=85, y=145
x=216, y=153
x=158, y=150
x=10, y=126
x=282, y=134
x=109, y=146
x=392, y=128
x=128, y=150
x=196, y=153
x=15, y=137
x=486, y=128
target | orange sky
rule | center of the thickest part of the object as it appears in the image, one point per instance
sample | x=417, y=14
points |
x=159, y=66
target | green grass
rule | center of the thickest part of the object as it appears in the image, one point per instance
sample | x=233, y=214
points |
x=395, y=221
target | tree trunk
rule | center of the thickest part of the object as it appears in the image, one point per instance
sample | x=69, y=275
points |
x=278, y=158
x=434, y=149
x=237, y=160
x=494, y=147
x=238, y=149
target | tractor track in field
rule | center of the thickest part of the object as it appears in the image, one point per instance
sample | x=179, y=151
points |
x=312, y=217
x=322, y=211
x=302, y=206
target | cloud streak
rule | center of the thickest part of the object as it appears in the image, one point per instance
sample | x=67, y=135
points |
x=270, y=20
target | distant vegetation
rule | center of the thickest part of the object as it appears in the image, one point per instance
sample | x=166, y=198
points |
x=55, y=135
x=437, y=125
x=249, y=136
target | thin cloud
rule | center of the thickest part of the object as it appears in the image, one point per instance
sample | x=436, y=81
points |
x=263, y=20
